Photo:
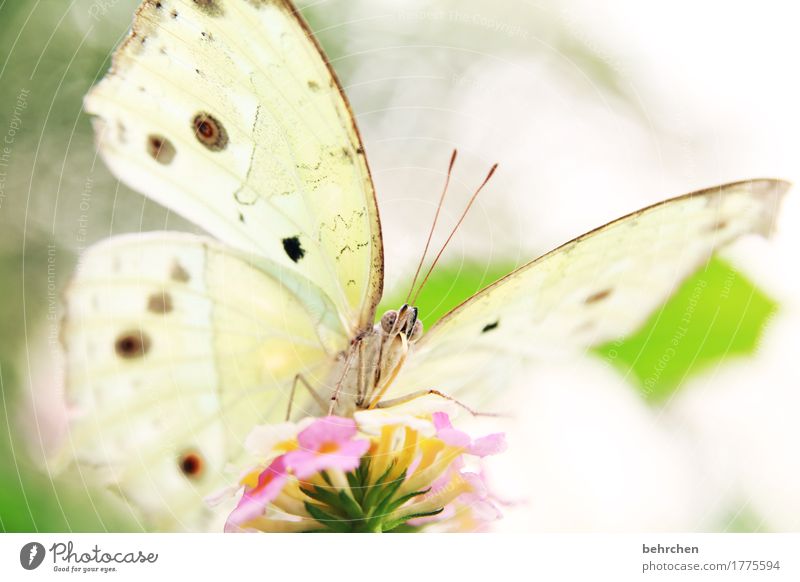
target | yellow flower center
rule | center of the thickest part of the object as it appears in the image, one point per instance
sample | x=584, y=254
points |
x=328, y=448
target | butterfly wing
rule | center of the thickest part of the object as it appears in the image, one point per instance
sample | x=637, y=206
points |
x=175, y=348
x=598, y=287
x=226, y=112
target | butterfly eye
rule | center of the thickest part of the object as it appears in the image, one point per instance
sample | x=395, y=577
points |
x=388, y=320
x=412, y=319
x=132, y=344
x=191, y=464
x=416, y=333
x=209, y=132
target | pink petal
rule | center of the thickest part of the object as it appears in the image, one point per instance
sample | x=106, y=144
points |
x=255, y=500
x=346, y=458
x=331, y=429
x=477, y=484
x=446, y=432
x=454, y=438
x=354, y=449
x=489, y=445
x=441, y=420
x=485, y=510
x=303, y=463
x=344, y=463
x=440, y=482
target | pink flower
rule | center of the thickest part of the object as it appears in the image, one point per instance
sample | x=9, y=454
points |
x=255, y=499
x=417, y=465
x=489, y=445
x=480, y=500
x=472, y=510
x=327, y=444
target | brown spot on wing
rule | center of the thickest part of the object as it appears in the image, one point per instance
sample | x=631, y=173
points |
x=191, y=464
x=160, y=303
x=132, y=344
x=160, y=149
x=210, y=7
x=210, y=132
x=178, y=273
x=717, y=226
x=597, y=297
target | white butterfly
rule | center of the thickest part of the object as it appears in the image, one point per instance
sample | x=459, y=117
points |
x=226, y=112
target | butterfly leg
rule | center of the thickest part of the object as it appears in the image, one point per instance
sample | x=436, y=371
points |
x=362, y=376
x=430, y=392
x=317, y=398
x=347, y=363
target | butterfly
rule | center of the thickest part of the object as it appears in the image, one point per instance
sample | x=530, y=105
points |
x=177, y=345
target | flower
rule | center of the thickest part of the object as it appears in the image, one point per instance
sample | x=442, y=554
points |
x=471, y=511
x=374, y=473
x=327, y=444
x=271, y=439
x=256, y=497
x=489, y=445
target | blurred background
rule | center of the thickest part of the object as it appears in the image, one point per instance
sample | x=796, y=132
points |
x=592, y=112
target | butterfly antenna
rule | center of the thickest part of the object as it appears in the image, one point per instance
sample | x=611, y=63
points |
x=433, y=226
x=453, y=232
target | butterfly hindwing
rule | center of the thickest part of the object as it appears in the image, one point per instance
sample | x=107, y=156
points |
x=175, y=349
x=599, y=287
x=226, y=112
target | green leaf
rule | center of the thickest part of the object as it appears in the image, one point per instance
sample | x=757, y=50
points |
x=350, y=507
x=386, y=496
x=745, y=519
x=326, y=497
x=375, y=488
x=326, y=477
x=398, y=503
x=326, y=519
x=717, y=313
x=356, y=484
x=390, y=526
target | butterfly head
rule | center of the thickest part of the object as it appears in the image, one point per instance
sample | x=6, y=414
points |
x=403, y=321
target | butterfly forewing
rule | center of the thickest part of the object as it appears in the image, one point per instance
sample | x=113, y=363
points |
x=600, y=286
x=226, y=112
